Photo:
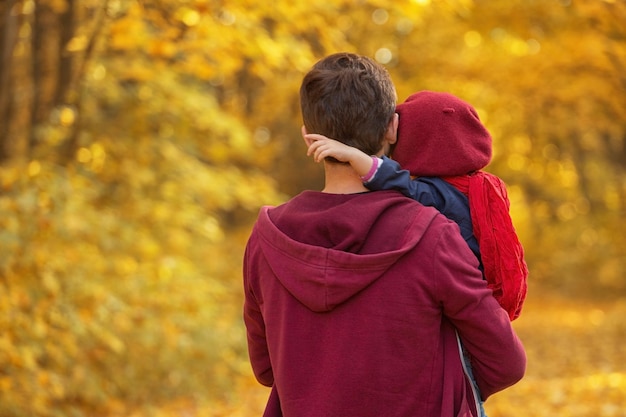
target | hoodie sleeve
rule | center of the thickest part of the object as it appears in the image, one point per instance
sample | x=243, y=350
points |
x=255, y=325
x=498, y=357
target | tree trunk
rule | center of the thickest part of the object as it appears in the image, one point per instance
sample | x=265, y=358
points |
x=8, y=37
x=64, y=83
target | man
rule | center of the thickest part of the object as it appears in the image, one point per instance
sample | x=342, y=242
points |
x=354, y=300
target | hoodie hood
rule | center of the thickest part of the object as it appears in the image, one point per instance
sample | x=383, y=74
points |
x=325, y=248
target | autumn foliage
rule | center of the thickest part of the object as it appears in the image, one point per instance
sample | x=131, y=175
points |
x=139, y=138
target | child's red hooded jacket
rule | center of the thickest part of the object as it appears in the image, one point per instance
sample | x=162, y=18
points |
x=353, y=304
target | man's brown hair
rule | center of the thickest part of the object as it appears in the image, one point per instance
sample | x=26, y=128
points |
x=349, y=98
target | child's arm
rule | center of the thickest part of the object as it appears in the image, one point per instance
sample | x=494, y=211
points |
x=323, y=147
x=385, y=175
x=390, y=176
x=429, y=191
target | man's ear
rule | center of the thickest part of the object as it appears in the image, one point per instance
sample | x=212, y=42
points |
x=308, y=142
x=391, y=135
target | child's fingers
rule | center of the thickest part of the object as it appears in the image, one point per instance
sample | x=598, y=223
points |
x=317, y=153
x=320, y=147
x=313, y=147
x=316, y=149
x=318, y=144
x=315, y=136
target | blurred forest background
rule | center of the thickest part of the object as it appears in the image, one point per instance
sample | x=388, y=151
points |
x=138, y=139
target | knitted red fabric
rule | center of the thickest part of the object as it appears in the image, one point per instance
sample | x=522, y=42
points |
x=501, y=251
x=439, y=135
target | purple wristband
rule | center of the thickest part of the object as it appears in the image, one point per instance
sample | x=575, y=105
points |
x=372, y=171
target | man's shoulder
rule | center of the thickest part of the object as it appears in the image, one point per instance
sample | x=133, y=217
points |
x=414, y=211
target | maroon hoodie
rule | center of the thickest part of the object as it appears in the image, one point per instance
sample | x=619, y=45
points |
x=353, y=304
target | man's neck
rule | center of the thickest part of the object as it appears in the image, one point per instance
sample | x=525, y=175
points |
x=342, y=179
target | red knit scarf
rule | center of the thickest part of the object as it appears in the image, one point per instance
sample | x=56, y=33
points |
x=500, y=249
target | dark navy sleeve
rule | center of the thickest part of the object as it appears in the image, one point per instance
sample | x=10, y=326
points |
x=430, y=191
x=390, y=177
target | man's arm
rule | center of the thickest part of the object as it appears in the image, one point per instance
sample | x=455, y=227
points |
x=255, y=325
x=498, y=357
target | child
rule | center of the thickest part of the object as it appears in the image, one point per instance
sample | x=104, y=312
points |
x=442, y=146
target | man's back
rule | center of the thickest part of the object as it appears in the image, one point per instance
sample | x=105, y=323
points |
x=353, y=303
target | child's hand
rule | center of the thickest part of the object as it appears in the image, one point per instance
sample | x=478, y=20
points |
x=323, y=147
